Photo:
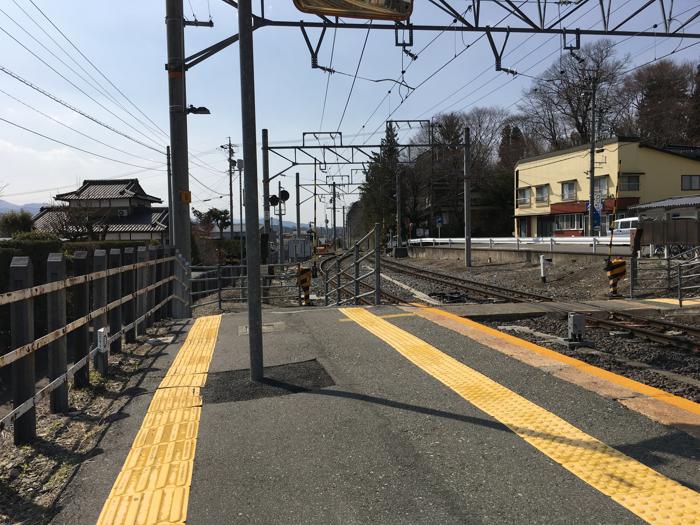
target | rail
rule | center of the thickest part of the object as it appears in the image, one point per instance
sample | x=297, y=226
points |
x=215, y=281
x=596, y=243
x=126, y=291
x=333, y=278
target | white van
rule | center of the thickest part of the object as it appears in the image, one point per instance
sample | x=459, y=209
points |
x=625, y=227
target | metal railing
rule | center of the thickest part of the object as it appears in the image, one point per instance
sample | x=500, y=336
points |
x=342, y=274
x=596, y=243
x=688, y=279
x=125, y=291
x=650, y=276
x=214, y=281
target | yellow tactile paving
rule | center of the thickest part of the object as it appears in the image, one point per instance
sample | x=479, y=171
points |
x=671, y=300
x=154, y=483
x=640, y=489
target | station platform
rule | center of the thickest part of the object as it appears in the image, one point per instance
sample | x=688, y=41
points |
x=388, y=415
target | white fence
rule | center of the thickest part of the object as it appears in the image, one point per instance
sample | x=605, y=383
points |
x=525, y=242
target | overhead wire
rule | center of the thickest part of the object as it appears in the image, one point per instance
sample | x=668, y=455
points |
x=357, y=70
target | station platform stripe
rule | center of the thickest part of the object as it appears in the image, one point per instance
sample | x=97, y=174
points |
x=638, y=488
x=154, y=483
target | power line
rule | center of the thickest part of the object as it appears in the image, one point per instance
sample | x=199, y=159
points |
x=357, y=70
x=81, y=90
x=328, y=80
x=74, y=46
x=73, y=108
x=57, y=121
x=78, y=148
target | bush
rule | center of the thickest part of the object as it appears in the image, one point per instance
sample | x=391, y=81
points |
x=88, y=246
x=14, y=222
x=35, y=235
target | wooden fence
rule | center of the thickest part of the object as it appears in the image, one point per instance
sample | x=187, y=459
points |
x=119, y=297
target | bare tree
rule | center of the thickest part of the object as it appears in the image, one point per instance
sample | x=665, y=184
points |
x=76, y=223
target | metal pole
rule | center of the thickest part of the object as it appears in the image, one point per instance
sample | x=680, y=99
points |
x=356, y=264
x=266, y=185
x=280, y=255
x=255, y=340
x=591, y=172
x=230, y=187
x=335, y=232
x=467, y=201
x=377, y=264
x=315, y=216
x=298, y=208
x=344, y=238
x=175, y=25
x=171, y=200
x=240, y=209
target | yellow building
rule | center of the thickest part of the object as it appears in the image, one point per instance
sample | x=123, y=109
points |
x=552, y=190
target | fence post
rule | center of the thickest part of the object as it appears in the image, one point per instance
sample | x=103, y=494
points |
x=325, y=286
x=150, y=280
x=357, y=273
x=81, y=305
x=218, y=283
x=128, y=288
x=551, y=245
x=491, y=243
x=99, y=299
x=56, y=318
x=114, y=293
x=595, y=245
x=23, y=375
x=517, y=243
x=141, y=283
x=377, y=265
x=680, y=286
x=158, y=314
x=668, y=273
x=339, y=282
x=633, y=276
x=187, y=288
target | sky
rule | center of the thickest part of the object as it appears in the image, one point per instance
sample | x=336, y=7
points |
x=127, y=42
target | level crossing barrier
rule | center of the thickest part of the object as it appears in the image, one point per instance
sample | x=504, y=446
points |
x=210, y=283
x=342, y=274
x=108, y=300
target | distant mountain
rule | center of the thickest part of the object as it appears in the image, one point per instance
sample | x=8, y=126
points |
x=32, y=207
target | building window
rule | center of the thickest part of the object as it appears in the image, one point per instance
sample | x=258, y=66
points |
x=523, y=196
x=542, y=194
x=690, y=182
x=568, y=191
x=629, y=182
x=571, y=221
x=600, y=185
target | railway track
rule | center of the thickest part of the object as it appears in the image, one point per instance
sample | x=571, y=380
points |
x=664, y=332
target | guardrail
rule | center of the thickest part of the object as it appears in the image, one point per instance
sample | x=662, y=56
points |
x=333, y=279
x=688, y=274
x=518, y=242
x=215, y=280
x=123, y=294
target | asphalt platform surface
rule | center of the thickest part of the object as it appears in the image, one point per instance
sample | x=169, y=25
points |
x=352, y=432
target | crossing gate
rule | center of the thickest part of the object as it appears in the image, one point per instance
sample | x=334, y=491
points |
x=616, y=269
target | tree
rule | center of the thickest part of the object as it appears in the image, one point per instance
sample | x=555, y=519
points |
x=378, y=192
x=220, y=218
x=75, y=223
x=559, y=104
x=14, y=222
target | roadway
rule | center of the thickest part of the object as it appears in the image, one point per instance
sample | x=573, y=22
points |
x=389, y=415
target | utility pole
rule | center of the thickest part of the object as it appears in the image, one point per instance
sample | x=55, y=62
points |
x=175, y=28
x=298, y=208
x=335, y=232
x=591, y=171
x=345, y=240
x=315, y=213
x=230, y=185
x=239, y=163
x=171, y=231
x=467, y=201
x=247, y=75
x=280, y=255
x=266, y=191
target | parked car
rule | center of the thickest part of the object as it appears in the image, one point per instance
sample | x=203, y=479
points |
x=625, y=227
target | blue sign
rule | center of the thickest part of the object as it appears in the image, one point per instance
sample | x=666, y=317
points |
x=438, y=220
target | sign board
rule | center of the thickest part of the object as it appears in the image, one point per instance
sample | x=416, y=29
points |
x=397, y=10
x=438, y=220
x=598, y=202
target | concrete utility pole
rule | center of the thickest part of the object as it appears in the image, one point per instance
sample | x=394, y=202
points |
x=247, y=74
x=171, y=230
x=467, y=201
x=239, y=163
x=231, y=164
x=175, y=26
x=266, y=190
x=591, y=170
x=298, y=207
